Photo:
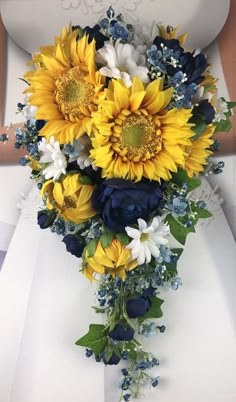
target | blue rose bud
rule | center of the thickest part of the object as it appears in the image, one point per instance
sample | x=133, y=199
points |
x=120, y=333
x=73, y=245
x=46, y=218
x=138, y=306
x=114, y=360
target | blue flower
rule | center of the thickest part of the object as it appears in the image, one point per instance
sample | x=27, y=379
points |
x=118, y=31
x=114, y=360
x=127, y=397
x=120, y=333
x=205, y=110
x=94, y=33
x=193, y=66
x=155, y=382
x=73, y=245
x=121, y=202
x=144, y=365
x=138, y=306
x=46, y=218
x=178, y=207
x=175, y=283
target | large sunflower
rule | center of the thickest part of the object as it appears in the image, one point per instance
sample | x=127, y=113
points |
x=65, y=86
x=198, y=152
x=136, y=134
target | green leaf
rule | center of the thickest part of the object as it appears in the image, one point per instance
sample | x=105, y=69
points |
x=202, y=213
x=106, y=239
x=123, y=238
x=155, y=309
x=91, y=247
x=172, y=266
x=177, y=230
x=85, y=180
x=231, y=104
x=131, y=346
x=95, y=339
x=200, y=125
x=181, y=177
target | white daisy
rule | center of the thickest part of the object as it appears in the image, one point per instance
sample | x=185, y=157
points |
x=124, y=61
x=28, y=111
x=53, y=157
x=147, y=239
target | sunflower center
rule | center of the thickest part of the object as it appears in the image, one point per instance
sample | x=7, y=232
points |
x=136, y=137
x=73, y=91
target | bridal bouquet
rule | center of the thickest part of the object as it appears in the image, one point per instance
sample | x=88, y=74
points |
x=119, y=126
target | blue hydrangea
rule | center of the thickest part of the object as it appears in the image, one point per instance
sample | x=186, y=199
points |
x=118, y=31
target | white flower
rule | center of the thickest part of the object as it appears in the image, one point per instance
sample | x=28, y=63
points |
x=53, y=156
x=221, y=108
x=28, y=111
x=147, y=239
x=124, y=61
x=81, y=153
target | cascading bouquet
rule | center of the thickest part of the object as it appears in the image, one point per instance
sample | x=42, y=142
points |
x=119, y=125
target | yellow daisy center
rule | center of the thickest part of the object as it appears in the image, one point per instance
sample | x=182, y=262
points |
x=72, y=92
x=136, y=137
x=144, y=237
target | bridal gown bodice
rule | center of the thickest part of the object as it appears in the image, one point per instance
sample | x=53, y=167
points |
x=44, y=299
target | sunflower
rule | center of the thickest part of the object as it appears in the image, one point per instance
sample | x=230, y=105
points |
x=70, y=197
x=198, y=152
x=65, y=86
x=114, y=260
x=136, y=135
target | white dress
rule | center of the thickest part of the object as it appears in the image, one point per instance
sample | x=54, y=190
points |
x=45, y=307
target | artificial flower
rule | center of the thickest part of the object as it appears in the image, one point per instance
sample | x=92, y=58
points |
x=121, y=202
x=28, y=110
x=138, y=306
x=147, y=239
x=70, y=197
x=124, y=61
x=65, y=86
x=73, y=245
x=198, y=152
x=114, y=260
x=53, y=158
x=137, y=136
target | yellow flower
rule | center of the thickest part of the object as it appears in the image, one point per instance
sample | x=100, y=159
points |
x=198, y=152
x=65, y=86
x=170, y=33
x=114, y=260
x=136, y=135
x=71, y=198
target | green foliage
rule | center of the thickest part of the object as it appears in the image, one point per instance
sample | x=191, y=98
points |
x=91, y=247
x=172, y=266
x=95, y=339
x=202, y=213
x=178, y=230
x=155, y=309
x=123, y=238
x=200, y=125
x=106, y=239
x=181, y=177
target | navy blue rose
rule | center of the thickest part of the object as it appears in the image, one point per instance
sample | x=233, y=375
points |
x=114, y=360
x=138, y=306
x=46, y=218
x=206, y=110
x=73, y=245
x=193, y=66
x=120, y=333
x=94, y=33
x=40, y=124
x=121, y=202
